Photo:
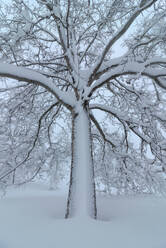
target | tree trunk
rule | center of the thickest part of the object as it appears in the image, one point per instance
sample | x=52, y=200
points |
x=81, y=197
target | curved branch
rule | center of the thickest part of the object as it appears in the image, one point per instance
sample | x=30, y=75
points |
x=29, y=179
x=129, y=125
x=132, y=68
x=34, y=142
x=34, y=77
x=118, y=35
x=100, y=130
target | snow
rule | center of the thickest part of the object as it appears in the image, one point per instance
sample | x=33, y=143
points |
x=32, y=216
x=132, y=67
x=32, y=76
x=82, y=173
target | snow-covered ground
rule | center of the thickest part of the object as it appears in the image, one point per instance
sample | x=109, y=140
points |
x=32, y=217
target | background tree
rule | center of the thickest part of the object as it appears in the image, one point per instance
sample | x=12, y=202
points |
x=67, y=47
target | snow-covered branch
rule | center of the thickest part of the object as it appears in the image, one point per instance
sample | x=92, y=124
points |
x=34, y=77
x=133, y=125
x=118, y=35
x=135, y=68
x=99, y=128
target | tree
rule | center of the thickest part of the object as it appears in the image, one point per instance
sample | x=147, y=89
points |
x=66, y=47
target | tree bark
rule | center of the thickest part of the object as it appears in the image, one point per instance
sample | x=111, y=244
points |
x=81, y=197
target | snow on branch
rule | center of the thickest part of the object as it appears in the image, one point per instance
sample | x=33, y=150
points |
x=124, y=119
x=135, y=68
x=34, y=77
x=119, y=34
x=33, y=145
x=132, y=125
x=101, y=131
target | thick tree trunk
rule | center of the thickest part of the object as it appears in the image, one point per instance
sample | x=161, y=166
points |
x=81, y=198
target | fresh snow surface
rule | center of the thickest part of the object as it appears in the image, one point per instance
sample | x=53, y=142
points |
x=32, y=217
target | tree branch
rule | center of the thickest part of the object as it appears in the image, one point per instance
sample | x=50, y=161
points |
x=34, y=77
x=100, y=130
x=34, y=143
x=118, y=35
